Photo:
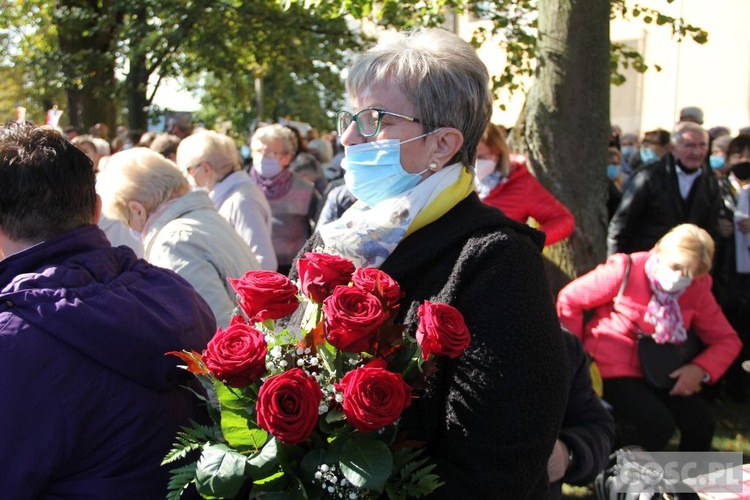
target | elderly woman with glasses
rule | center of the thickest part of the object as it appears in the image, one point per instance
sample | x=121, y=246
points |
x=180, y=229
x=488, y=418
x=294, y=201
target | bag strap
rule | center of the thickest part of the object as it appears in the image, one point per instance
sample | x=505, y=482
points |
x=624, y=278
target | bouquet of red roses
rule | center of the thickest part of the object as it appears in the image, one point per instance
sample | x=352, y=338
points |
x=311, y=410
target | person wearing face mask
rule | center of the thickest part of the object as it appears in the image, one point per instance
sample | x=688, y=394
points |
x=628, y=149
x=667, y=292
x=679, y=188
x=718, y=159
x=180, y=229
x=294, y=201
x=654, y=146
x=420, y=104
x=503, y=180
x=732, y=264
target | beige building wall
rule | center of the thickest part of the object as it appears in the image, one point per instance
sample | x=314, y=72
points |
x=714, y=76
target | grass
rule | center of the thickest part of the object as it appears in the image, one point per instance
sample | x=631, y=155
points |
x=732, y=434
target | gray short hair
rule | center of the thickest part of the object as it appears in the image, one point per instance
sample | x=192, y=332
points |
x=682, y=127
x=439, y=73
x=270, y=133
x=210, y=147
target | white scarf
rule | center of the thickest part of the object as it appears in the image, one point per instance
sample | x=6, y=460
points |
x=368, y=235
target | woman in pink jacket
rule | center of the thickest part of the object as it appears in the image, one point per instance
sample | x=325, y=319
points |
x=503, y=181
x=667, y=293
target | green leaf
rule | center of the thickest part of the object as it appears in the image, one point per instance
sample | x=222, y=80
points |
x=366, y=464
x=232, y=397
x=180, y=478
x=240, y=430
x=309, y=465
x=263, y=463
x=188, y=439
x=220, y=471
x=282, y=487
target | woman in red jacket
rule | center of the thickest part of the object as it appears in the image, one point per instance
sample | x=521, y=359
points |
x=503, y=181
x=667, y=292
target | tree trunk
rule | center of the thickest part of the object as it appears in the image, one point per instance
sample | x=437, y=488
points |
x=136, y=87
x=564, y=127
x=86, y=42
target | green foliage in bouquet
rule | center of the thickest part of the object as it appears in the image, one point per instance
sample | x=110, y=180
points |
x=311, y=410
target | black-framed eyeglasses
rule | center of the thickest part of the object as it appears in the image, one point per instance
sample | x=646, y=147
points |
x=368, y=120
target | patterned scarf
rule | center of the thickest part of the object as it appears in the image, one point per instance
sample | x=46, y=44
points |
x=663, y=310
x=275, y=187
x=368, y=235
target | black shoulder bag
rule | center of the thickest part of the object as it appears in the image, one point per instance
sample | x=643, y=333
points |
x=659, y=360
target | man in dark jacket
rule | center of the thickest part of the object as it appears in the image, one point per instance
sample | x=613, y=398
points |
x=91, y=404
x=680, y=188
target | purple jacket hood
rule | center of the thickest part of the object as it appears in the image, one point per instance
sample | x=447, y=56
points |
x=77, y=288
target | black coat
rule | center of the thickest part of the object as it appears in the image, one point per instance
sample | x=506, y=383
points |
x=491, y=416
x=652, y=205
x=588, y=429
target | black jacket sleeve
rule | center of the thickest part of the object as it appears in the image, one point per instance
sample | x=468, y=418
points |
x=588, y=429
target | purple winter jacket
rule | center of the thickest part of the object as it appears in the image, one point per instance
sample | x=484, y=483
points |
x=89, y=403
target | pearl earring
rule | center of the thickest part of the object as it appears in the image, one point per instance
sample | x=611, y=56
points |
x=433, y=166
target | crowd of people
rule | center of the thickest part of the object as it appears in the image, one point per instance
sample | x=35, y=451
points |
x=117, y=252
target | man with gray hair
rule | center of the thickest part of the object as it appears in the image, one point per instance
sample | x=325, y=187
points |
x=211, y=161
x=679, y=188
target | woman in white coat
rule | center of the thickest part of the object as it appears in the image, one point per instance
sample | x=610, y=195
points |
x=180, y=229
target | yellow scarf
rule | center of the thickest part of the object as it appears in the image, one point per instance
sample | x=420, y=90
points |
x=446, y=200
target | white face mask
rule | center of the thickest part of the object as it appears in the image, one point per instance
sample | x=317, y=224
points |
x=671, y=281
x=268, y=167
x=484, y=168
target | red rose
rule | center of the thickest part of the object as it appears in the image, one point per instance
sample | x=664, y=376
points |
x=441, y=330
x=373, y=396
x=321, y=273
x=237, y=355
x=352, y=319
x=288, y=405
x=378, y=283
x=265, y=295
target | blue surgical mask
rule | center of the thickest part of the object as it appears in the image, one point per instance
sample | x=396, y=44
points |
x=627, y=152
x=374, y=172
x=245, y=152
x=648, y=155
x=716, y=162
x=613, y=171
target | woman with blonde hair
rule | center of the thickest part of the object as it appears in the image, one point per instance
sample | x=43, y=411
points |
x=664, y=294
x=503, y=181
x=180, y=229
